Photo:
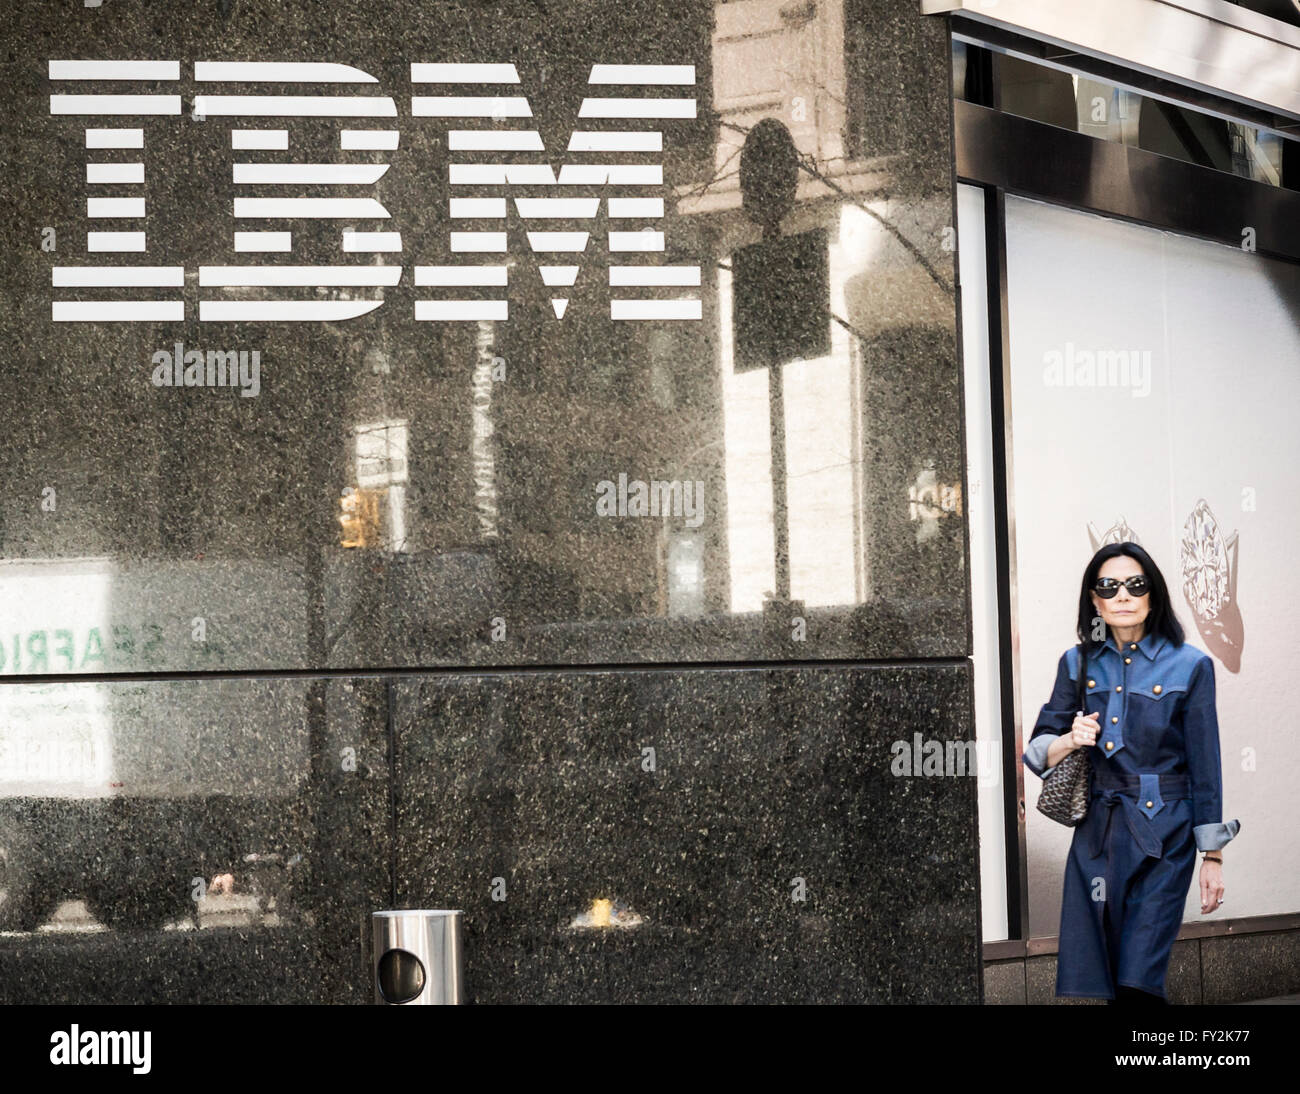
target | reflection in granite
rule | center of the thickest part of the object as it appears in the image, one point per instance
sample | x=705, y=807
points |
x=411, y=493
x=1040, y=985
x=174, y=828
x=405, y=494
x=1038, y=981
x=696, y=799
x=1183, y=981
x=1235, y=968
x=1257, y=966
x=1004, y=983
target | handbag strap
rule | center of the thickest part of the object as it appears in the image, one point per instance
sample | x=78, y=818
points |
x=1083, y=671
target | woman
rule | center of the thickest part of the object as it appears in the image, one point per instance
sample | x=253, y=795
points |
x=1149, y=724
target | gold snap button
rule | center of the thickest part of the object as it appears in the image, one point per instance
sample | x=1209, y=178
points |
x=1092, y=683
x=1128, y=660
x=1110, y=745
x=1132, y=645
x=1113, y=721
x=1118, y=688
x=1156, y=689
x=1151, y=805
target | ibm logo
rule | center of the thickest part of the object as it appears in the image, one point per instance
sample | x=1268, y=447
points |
x=614, y=178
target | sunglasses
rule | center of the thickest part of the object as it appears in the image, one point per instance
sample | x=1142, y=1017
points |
x=1106, y=587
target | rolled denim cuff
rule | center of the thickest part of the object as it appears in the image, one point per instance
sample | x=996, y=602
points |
x=1036, y=754
x=1210, y=837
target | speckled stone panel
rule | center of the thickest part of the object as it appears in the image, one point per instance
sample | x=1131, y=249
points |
x=1040, y=983
x=695, y=801
x=1182, y=983
x=162, y=505
x=1254, y=966
x=149, y=529
x=236, y=839
x=1183, y=980
x=1004, y=983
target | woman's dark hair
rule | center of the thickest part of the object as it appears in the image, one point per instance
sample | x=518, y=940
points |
x=1160, y=616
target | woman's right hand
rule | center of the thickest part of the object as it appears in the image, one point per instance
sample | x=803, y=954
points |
x=1083, y=733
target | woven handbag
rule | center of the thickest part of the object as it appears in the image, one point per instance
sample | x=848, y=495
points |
x=1065, y=793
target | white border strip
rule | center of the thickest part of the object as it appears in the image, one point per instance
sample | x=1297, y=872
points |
x=119, y=277
x=470, y=106
x=455, y=311
x=115, y=104
x=294, y=106
x=118, y=311
x=584, y=140
x=464, y=74
x=625, y=276
x=115, y=242
x=655, y=309
x=114, y=138
x=307, y=174
x=125, y=173
x=461, y=275
x=272, y=140
x=110, y=208
x=115, y=70
x=658, y=75
x=283, y=311
x=281, y=72
x=330, y=208
x=231, y=276
x=637, y=108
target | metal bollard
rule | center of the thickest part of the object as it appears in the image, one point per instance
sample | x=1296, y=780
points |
x=417, y=957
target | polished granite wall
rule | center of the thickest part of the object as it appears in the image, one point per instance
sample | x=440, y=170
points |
x=461, y=691
x=250, y=835
x=745, y=823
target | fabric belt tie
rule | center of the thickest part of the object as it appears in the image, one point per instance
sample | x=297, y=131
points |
x=1111, y=789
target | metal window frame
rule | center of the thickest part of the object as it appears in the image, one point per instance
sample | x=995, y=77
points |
x=1211, y=45
x=1014, y=44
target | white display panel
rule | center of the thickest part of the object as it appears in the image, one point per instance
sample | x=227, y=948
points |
x=1182, y=436
x=972, y=269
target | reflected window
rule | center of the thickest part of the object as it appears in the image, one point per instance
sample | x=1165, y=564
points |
x=1081, y=102
x=377, y=503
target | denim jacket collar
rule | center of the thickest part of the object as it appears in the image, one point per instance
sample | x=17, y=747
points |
x=1150, y=645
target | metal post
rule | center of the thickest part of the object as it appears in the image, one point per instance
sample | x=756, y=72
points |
x=417, y=957
x=776, y=425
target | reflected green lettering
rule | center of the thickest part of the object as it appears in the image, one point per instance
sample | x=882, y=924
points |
x=153, y=643
x=63, y=646
x=38, y=652
x=124, y=644
x=94, y=648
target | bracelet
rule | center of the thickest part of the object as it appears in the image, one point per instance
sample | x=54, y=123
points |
x=1206, y=858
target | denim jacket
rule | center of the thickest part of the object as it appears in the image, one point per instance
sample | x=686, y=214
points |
x=1157, y=718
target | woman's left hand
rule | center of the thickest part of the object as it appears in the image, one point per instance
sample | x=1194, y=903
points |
x=1211, y=886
